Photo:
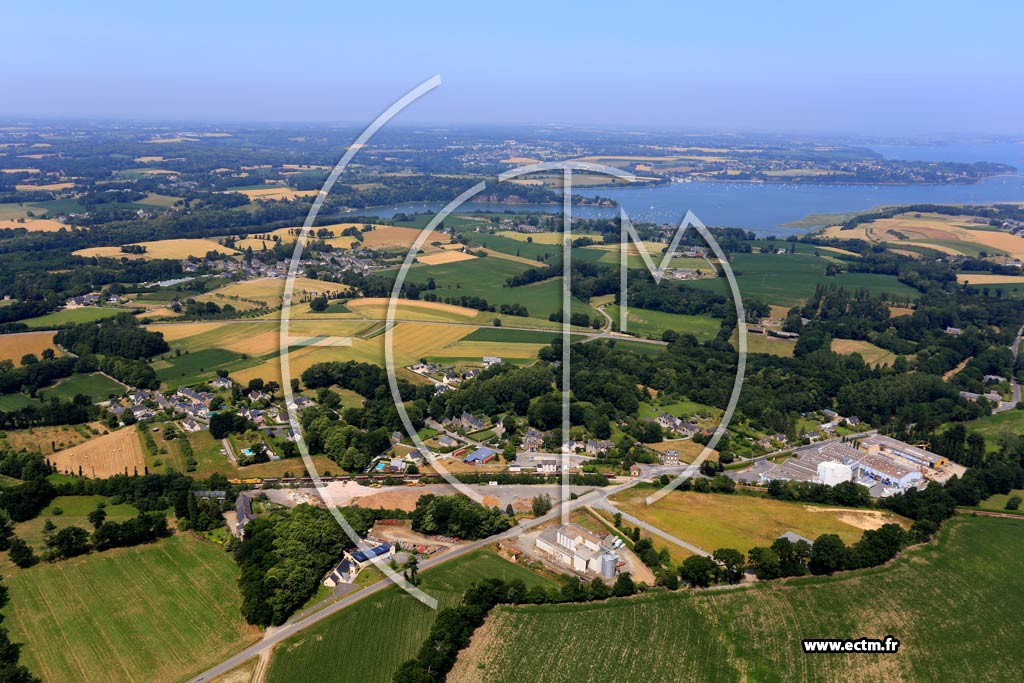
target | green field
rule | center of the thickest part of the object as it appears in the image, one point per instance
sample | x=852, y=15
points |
x=485, y=278
x=789, y=279
x=367, y=641
x=74, y=512
x=499, y=334
x=96, y=386
x=71, y=316
x=152, y=613
x=678, y=408
x=193, y=367
x=513, y=247
x=955, y=606
x=651, y=324
x=16, y=401
x=1010, y=423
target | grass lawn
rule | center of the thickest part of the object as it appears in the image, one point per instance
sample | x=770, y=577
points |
x=153, y=613
x=992, y=427
x=997, y=503
x=71, y=316
x=713, y=521
x=954, y=605
x=651, y=324
x=370, y=639
x=96, y=386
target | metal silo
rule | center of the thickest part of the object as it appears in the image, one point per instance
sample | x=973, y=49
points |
x=608, y=562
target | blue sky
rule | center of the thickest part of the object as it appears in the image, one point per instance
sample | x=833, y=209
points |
x=871, y=67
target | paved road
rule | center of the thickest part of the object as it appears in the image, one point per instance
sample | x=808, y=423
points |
x=606, y=504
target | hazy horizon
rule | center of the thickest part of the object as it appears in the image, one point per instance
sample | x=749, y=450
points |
x=888, y=70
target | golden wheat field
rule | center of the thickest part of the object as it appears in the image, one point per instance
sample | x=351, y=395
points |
x=268, y=292
x=51, y=187
x=103, y=456
x=988, y=279
x=14, y=346
x=162, y=249
x=392, y=236
x=275, y=192
x=946, y=234
x=407, y=309
x=35, y=225
x=448, y=256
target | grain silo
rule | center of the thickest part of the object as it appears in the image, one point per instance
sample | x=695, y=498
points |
x=608, y=562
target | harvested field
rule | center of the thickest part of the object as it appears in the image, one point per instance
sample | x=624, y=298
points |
x=50, y=187
x=391, y=236
x=35, y=225
x=448, y=256
x=103, y=456
x=948, y=234
x=14, y=346
x=408, y=309
x=274, y=193
x=988, y=279
x=269, y=292
x=163, y=249
x=534, y=237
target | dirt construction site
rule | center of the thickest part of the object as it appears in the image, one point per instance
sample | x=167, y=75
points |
x=342, y=493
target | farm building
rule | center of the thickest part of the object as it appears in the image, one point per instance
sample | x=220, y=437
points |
x=480, y=456
x=361, y=558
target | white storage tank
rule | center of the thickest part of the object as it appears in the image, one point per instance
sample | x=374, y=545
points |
x=833, y=473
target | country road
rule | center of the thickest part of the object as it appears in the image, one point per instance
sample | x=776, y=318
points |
x=1014, y=384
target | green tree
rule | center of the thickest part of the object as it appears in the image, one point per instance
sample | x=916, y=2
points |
x=697, y=571
x=624, y=585
x=730, y=564
x=20, y=553
x=828, y=554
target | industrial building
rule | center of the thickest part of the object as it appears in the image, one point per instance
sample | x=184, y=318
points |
x=579, y=549
x=883, y=464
